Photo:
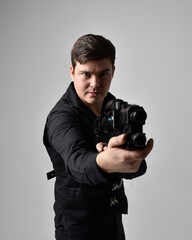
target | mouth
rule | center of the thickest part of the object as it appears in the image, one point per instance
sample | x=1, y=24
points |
x=93, y=93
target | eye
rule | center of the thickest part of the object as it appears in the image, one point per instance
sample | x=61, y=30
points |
x=104, y=74
x=85, y=74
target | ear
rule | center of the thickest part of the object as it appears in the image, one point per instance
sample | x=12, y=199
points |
x=71, y=71
x=113, y=70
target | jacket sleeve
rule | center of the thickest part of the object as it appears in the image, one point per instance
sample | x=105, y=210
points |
x=65, y=135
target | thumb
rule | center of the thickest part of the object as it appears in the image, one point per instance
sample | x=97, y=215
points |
x=117, y=141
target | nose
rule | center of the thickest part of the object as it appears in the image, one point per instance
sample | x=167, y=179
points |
x=94, y=82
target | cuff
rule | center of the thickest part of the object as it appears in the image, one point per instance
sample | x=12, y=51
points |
x=93, y=172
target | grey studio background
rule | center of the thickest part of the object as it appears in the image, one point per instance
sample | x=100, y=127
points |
x=153, y=68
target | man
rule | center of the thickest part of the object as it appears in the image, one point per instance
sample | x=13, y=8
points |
x=89, y=192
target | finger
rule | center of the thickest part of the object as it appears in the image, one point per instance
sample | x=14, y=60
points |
x=100, y=146
x=142, y=154
x=117, y=141
x=149, y=146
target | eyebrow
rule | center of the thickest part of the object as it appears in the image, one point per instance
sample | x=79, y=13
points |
x=104, y=70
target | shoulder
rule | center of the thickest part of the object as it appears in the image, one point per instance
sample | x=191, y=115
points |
x=67, y=103
x=62, y=112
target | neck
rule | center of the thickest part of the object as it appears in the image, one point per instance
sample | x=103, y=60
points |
x=95, y=110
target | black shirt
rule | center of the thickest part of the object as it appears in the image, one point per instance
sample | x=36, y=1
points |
x=87, y=200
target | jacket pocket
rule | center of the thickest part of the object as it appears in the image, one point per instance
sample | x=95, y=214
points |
x=84, y=204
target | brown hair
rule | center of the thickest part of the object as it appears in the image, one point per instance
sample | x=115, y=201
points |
x=92, y=47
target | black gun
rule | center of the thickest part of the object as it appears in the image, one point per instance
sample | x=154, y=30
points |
x=120, y=117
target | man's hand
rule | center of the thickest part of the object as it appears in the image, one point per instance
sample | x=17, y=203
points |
x=114, y=158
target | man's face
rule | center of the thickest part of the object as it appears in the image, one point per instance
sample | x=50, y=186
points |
x=92, y=81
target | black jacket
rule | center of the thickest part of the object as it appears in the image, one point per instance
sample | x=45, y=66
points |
x=86, y=199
